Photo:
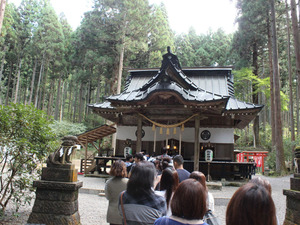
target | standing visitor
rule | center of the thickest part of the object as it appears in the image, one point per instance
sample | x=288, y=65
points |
x=188, y=205
x=113, y=188
x=166, y=162
x=178, y=164
x=128, y=162
x=251, y=204
x=139, y=205
x=165, y=151
x=210, y=202
x=158, y=167
x=138, y=157
x=266, y=184
x=209, y=216
x=168, y=184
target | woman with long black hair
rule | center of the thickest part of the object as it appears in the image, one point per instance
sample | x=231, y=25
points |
x=139, y=204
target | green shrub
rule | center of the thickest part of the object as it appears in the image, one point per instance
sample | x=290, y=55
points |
x=25, y=142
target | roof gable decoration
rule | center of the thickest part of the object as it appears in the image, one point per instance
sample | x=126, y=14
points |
x=169, y=57
x=171, y=71
x=169, y=78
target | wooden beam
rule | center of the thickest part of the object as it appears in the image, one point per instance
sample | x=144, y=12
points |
x=85, y=157
x=95, y=146
x=196, y=144
x=139, y=134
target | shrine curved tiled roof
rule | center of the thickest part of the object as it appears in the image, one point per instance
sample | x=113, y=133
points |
x=235, y=104
x=188, y=95
x=195, y=85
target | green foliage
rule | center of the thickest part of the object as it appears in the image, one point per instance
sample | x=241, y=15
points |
x=288, y=153
x=252, y=32
x=246, y=76
x=65, y=128
x=245, y=139
x=160, y=35
x=25, y=141
x=212, y=49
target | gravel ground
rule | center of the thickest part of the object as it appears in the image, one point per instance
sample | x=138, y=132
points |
x=92, y=207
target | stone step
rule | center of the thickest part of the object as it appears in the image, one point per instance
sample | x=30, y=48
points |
x=91, y=191
x=214, y=185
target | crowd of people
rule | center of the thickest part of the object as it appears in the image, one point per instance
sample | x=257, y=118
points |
x=144, y=190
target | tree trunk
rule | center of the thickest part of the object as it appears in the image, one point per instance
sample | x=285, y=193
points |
x=80, y=102
x=298, y=113
x=292, y=124
x=297, y=51
x=299, y=15
x=121, y=59
x=5, y=48
x=57, y=105
x=13, y=88
x=44, y=90
x=25, y=92
x=8, y=84
x=18, y=80
x=70, y=101
x=255, y=95
x=50, y=99
x=89, y=95
x=114, y=80
x=38, y=84
x=98, y=89
x=64, y=97
x=272, y=105
x=280, y=165
x=2, y=11
x=32, y=81
x=75, y=103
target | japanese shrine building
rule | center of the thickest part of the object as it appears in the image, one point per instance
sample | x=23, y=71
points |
x=188, y=109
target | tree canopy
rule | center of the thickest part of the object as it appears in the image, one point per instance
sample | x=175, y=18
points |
x=44, y=62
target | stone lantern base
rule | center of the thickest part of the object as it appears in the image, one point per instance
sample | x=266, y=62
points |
x=56, y=197
x=292, y=215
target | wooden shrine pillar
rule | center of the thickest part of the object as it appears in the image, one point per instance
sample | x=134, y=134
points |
x=139, y=134
x=85, y=156
x=196, y=144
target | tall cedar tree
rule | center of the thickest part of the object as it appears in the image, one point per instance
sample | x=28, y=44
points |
x=280, y=166
x=249, y=40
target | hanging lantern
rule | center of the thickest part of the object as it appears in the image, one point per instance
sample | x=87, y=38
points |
x=168, y=131
x=182, y=127
x=174, y=130
x=160, y=130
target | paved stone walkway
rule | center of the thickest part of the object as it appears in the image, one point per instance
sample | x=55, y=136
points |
x=92, y=207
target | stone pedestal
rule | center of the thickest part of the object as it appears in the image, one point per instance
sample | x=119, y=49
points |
x=56, y=196
x=292, y=215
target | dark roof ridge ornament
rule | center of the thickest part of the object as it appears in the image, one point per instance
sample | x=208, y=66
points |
x=170, y=57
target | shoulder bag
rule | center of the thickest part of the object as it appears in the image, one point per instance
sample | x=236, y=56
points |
x=211, y=219
x=123, y=211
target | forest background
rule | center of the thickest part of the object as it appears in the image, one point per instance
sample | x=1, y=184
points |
x=60, y=71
